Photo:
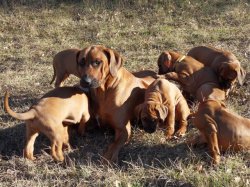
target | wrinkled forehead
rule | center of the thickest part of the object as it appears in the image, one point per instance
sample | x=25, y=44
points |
x=149, y=110
x=96, y=53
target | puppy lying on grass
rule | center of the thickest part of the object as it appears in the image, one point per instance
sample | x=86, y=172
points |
x=163, y=105
x=50, y=116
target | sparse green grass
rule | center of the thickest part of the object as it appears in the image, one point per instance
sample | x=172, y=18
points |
x=31, y=35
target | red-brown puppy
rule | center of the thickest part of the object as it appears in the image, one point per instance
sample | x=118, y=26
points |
x=146, y=75
x=65, y=105
x=193, y=76
x=224, y=63
x=115, y=90
x=163, y=105
x=64, y=64
x=221, y=128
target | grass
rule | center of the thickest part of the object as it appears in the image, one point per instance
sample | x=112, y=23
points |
x=31, y=33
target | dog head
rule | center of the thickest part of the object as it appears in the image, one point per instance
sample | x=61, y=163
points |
x=97, y=63
x=229, y=73
x=152, y=114
x=164, y=63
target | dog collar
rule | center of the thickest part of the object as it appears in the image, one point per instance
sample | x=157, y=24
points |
x=181, y=58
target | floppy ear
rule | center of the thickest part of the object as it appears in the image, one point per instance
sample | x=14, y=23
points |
x=228, y=70
x=137, y=111
x=165, y=59
x=241, y=76
x=162, y=112
x=115, y=61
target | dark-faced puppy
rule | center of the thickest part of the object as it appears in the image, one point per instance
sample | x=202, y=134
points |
x=224, y=63
x=163, y=106
x=193, y=76
x=115, y=90
x=221, y=128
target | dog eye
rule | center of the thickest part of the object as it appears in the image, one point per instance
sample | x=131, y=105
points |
x=96, y=63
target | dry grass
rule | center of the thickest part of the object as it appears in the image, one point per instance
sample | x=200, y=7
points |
x=31, y=34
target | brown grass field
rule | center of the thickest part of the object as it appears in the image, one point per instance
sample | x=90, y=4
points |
x=32, y=32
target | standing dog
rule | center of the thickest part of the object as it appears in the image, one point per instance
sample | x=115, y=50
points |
x=64, y=64
x=115, y=90
x=65, y=105
x=221, y=128
x=224, y=63
x=193, y=76
x=163, y=105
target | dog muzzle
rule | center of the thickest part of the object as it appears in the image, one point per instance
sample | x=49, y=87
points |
x=88, y=82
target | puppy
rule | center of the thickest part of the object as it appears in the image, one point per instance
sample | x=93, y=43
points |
x=61, y=106
x=147, y=75
x=163, y=105
x=64, y=64
x=115, y=90
x=194, y=78
x=221, y=129
x=224, y=63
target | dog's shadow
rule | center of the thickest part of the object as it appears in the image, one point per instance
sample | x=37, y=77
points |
x=90, y=148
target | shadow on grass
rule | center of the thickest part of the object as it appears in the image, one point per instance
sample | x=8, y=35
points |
x=91, y=146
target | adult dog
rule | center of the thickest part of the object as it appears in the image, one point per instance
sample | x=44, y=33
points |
x=163, y=106
x=224, y=63
x=61, y=106
x=193, y=76
x=220, y=128
x=115, y=90
x=66, y=62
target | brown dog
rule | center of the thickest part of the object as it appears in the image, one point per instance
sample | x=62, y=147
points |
x=224, y=63
x=58, y=107
x=64, y=64
x=221, y=128
x=115, y=90
x=163, y=105
x=193, y=76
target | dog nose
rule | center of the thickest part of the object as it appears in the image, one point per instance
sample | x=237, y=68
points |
x=85, y=80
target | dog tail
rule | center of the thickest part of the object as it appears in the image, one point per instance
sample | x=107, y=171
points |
x=21, y=116
x=54, y=75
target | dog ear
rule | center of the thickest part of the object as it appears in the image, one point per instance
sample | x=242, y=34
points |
x=162, y=112
x=228, y=70
x=137, y=112
x=165, y=59
x=115, y=61
x=241, y=76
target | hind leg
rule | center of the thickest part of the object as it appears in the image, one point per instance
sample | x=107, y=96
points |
x=60, y=78
x=31, y=135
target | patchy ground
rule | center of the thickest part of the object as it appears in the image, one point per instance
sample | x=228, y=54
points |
x=31, y=35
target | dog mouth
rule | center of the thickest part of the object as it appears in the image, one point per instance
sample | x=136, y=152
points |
x=87, y=82
x=149, y=125
x=225, y=84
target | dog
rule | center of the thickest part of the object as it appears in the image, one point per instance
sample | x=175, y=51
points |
x=146, y=75
x=220, y=128
x=64, y=64
x=224, y=63
x=194, y=78
x=163, y=105
x=51, y=115
x=115, y=90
